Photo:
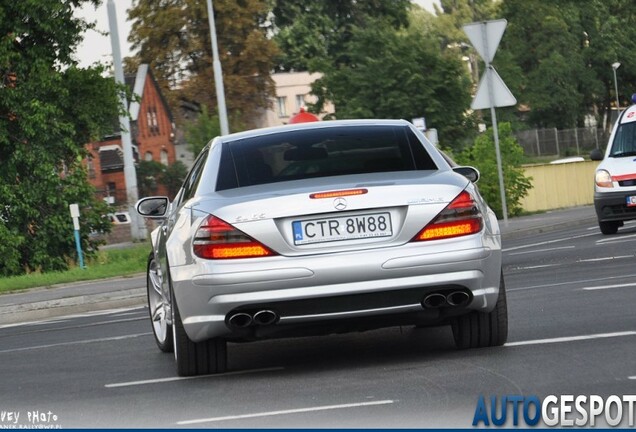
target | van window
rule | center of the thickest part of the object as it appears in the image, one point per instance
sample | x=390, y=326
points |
x=624, y=141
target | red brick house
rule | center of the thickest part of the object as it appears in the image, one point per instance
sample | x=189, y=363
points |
x=152, y=136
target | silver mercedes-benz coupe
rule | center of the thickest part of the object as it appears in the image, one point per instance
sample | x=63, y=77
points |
x=318, y=228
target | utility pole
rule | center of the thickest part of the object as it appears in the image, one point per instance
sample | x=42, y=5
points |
x=218, y=73
x=137, y=226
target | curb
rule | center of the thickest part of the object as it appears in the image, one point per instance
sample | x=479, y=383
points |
x=12, y=314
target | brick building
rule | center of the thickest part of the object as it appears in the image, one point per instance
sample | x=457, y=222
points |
x=151, y=132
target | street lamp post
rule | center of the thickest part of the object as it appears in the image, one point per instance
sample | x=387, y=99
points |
x=615, y=66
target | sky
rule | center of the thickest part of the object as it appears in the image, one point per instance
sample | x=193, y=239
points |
x=96, y=47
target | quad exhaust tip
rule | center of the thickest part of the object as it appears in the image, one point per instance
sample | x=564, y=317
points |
x=265, y=317
x=438, y=300
x=241, y=320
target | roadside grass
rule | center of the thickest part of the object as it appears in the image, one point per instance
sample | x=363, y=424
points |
x=107, y=263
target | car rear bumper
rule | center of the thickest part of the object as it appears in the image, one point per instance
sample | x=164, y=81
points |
x=321, y=289
x=612, y=206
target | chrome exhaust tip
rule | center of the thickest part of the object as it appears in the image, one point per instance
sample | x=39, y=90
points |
x=265, y=317
x=434, y=300
x=240, y=320
x=458, y=298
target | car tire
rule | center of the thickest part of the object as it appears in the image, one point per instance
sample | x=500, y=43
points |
x=158, y=306
x=196, y=358
x=609, y=228
x=483, y=329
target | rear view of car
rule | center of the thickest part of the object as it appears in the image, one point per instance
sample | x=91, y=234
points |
x=321, y=228
x=615, y=179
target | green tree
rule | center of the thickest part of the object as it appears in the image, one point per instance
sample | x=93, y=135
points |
x=482, y=155
x=200, y=131
x=173, y=176
x=313, y=35
x=400, y=74
x=48, y=110
x=174, y=38
x=563, y=51
x=148, y=174
x=151, y=174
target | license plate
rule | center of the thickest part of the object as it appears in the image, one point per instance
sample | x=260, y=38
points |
x=341, y=228
x=631, y=201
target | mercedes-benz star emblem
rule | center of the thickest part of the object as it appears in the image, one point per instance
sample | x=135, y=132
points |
x=340, y=203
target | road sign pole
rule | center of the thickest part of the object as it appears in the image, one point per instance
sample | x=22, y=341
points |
x=485, y=37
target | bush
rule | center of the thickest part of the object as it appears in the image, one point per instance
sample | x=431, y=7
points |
x=482, y=156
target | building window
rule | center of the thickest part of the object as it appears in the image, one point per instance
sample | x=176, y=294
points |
x=148, y=156
x=164, y=157
x=300, y=101
x=111, y=189
x=282, y=106
x=91, y=167
x=151, y=119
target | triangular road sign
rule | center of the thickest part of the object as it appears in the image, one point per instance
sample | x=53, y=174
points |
x=502, y=97
x=493, y=30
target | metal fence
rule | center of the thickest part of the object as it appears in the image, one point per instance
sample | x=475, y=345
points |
x=567, y=142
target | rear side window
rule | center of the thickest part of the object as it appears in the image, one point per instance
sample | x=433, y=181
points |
x=321, y=152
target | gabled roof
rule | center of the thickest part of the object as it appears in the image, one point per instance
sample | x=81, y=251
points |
x=136, y=84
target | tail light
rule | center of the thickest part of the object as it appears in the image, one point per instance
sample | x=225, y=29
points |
x=217, y=239
x=461, y=217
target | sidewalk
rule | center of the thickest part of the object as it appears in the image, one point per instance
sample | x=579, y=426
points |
x=43, y=303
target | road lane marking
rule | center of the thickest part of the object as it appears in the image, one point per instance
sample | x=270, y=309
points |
x=537, y=266
x=286, y=412
x=632, y=377
x=606, y=258
x=571, y=338
x=170, y=379
x=77, y=326
x=617, y=239
x=602, y=287
x=81, y=342
x=548, y=242
x=552, y=285
x=542, y=250
x=68, y=317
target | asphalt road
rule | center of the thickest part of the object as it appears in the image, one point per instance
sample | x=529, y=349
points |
x=571, y=296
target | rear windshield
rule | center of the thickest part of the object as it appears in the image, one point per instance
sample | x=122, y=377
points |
x=624, y=141
x=320, y=152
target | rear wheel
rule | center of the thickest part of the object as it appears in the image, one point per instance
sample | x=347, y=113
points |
x=483, y=329
x=196, y=358
x=158, y=306
x=609, y=227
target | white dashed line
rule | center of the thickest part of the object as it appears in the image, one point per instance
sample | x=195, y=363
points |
x=80, y=342
x=547, y=242
x=571, y=338
x=285, y=412
x=612, y=258
x=542, y=250
x=171, y=379
x=602, y=287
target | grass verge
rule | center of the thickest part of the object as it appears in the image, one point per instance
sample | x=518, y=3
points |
x=107, y=263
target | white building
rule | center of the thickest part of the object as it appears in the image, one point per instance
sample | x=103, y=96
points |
x=292, y=93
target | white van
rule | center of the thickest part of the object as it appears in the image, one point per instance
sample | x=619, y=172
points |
x=615, y=179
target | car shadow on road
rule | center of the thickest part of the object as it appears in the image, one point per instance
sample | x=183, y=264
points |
x=342, y=351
